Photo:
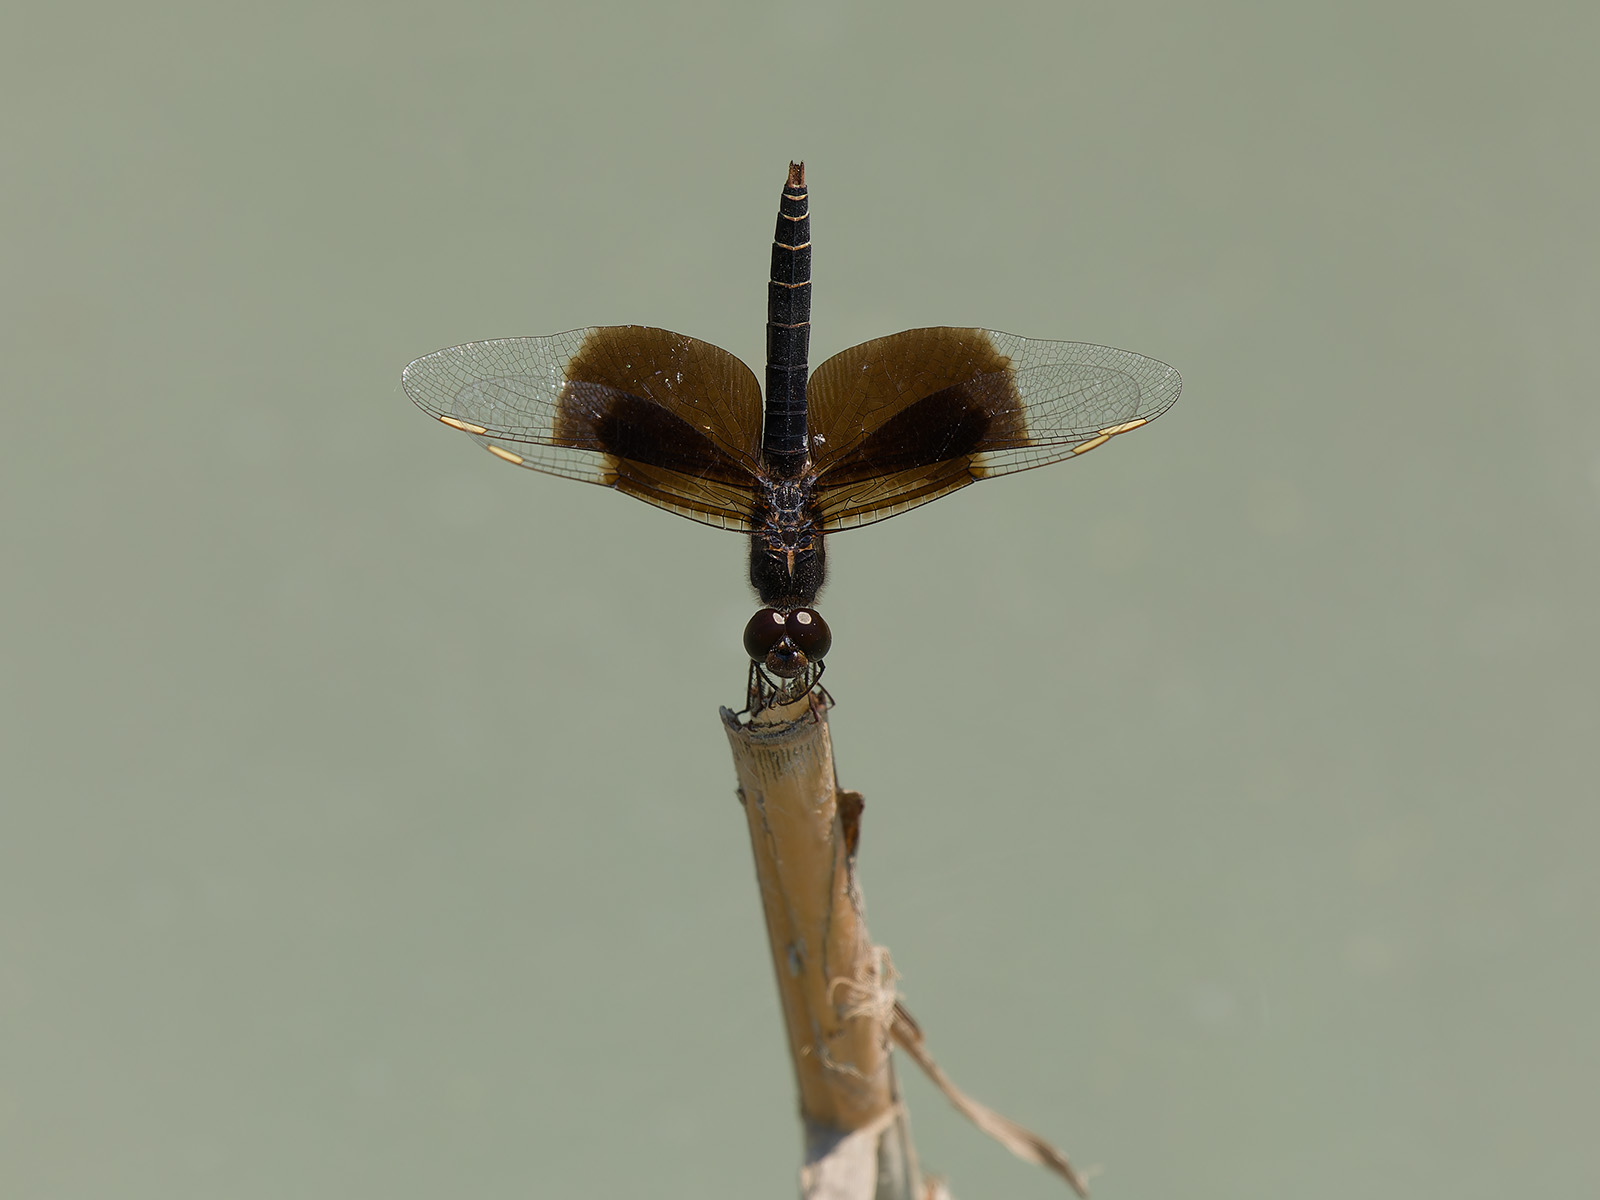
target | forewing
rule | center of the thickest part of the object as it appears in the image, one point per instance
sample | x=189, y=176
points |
x=667, y=418
x=902, y=420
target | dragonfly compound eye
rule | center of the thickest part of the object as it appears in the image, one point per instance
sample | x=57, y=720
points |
x=765, y=630
x=809, y=632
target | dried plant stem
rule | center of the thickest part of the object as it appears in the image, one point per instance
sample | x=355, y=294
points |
x=835, y=985
x=840, y=1006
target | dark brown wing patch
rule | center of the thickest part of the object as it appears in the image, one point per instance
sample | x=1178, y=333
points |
x=669, y=419
x=901, y=420
x=954, y=422
x=591, y=416
x=930, y=395
x=905, y=419
x=711, y=393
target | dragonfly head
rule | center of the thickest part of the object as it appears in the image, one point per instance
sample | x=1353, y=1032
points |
x=785, y=643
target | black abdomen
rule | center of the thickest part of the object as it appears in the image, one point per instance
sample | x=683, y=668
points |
x=783, y=437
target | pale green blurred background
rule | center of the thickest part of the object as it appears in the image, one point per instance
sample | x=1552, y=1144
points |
x=367, y=827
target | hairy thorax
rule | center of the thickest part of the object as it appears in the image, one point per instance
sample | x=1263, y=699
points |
x=786, y=555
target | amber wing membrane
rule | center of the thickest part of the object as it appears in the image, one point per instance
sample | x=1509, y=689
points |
x=902, y=420
x=667, y=418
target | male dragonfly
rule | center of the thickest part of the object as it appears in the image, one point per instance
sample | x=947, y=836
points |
x=878, y=429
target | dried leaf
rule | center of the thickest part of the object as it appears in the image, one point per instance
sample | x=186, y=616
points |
x=1024, y=1143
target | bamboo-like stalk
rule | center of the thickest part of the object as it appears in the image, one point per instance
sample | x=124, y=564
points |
x=840, y=1007
x=834, y=984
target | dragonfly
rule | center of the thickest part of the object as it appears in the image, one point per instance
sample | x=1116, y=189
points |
x=876, y=430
